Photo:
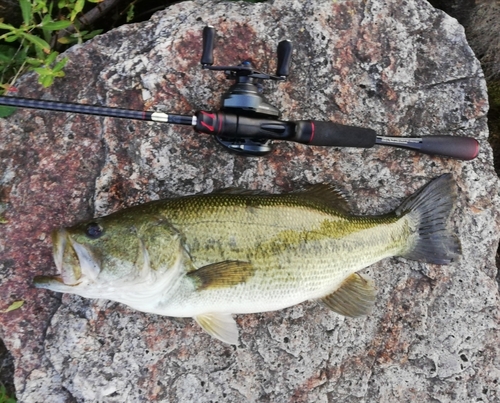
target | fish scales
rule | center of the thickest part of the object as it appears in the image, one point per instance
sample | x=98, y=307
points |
x=298, y=252
x=211, y=256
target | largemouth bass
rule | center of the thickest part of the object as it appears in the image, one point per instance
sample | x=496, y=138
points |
x=236, y=252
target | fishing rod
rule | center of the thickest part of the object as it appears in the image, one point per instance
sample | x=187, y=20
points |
x=248, y=124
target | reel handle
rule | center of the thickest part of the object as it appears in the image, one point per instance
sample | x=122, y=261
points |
x=207, y=57
x=284, y=57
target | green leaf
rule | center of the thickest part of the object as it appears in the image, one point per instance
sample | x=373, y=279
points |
x=79, y=5
x=26, y=11
x=34, y=62
x=45, y=20
x=38, y=42
x=4, y=398
x=15, y=305
x=6, y=111
x=56, y=25
x=91, y=34
x=39, y=7
x=46, y=81
x=11, y=38
x=64, y=40
x=6, y=26
x=7, y=53
x=130, y=13
x=51, y=58
x=43, y=71
x=60, y=65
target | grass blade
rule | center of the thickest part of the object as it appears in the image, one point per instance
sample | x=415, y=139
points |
x=26, y=11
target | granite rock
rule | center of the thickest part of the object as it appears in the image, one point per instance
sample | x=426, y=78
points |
x=404, y=69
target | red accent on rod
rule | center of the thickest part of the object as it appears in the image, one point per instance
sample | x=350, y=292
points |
x=210, y=128
x=206, y=125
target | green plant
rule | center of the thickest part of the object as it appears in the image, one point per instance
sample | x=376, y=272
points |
x=46, y=26
x=4, y=398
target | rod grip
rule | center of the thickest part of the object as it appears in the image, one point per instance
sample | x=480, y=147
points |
x=320, y=133
x=463, y=148
x=207, y=57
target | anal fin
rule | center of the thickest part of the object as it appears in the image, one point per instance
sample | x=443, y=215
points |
x=355, y=297
x=222, y=326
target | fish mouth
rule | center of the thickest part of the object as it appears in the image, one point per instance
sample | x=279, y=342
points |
x=76, y=264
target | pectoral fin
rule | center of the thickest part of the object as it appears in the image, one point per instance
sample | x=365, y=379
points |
x=355, y=297
x=222, y=274
x=222, y=326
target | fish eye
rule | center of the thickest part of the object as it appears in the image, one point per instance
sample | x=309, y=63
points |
x=94, y=230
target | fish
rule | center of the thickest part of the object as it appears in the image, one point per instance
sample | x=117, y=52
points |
x=211, y=256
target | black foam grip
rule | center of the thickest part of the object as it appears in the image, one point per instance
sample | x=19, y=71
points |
x=463, y=148
x=333, y=134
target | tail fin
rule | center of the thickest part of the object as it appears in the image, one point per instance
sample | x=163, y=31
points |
x=429, y=210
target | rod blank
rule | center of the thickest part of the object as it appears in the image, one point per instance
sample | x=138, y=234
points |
x=75, y=108
x=96, y=110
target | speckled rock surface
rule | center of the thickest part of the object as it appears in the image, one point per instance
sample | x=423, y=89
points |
x=400, y=68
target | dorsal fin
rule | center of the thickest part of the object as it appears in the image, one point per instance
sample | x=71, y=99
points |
x=327, y=195
x=355, y=297
x=240, y=191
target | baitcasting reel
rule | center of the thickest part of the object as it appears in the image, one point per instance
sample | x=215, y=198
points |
x=245, y=97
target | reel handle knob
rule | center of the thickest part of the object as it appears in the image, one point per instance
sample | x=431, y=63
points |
x=207, y=57
x=284, y=57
